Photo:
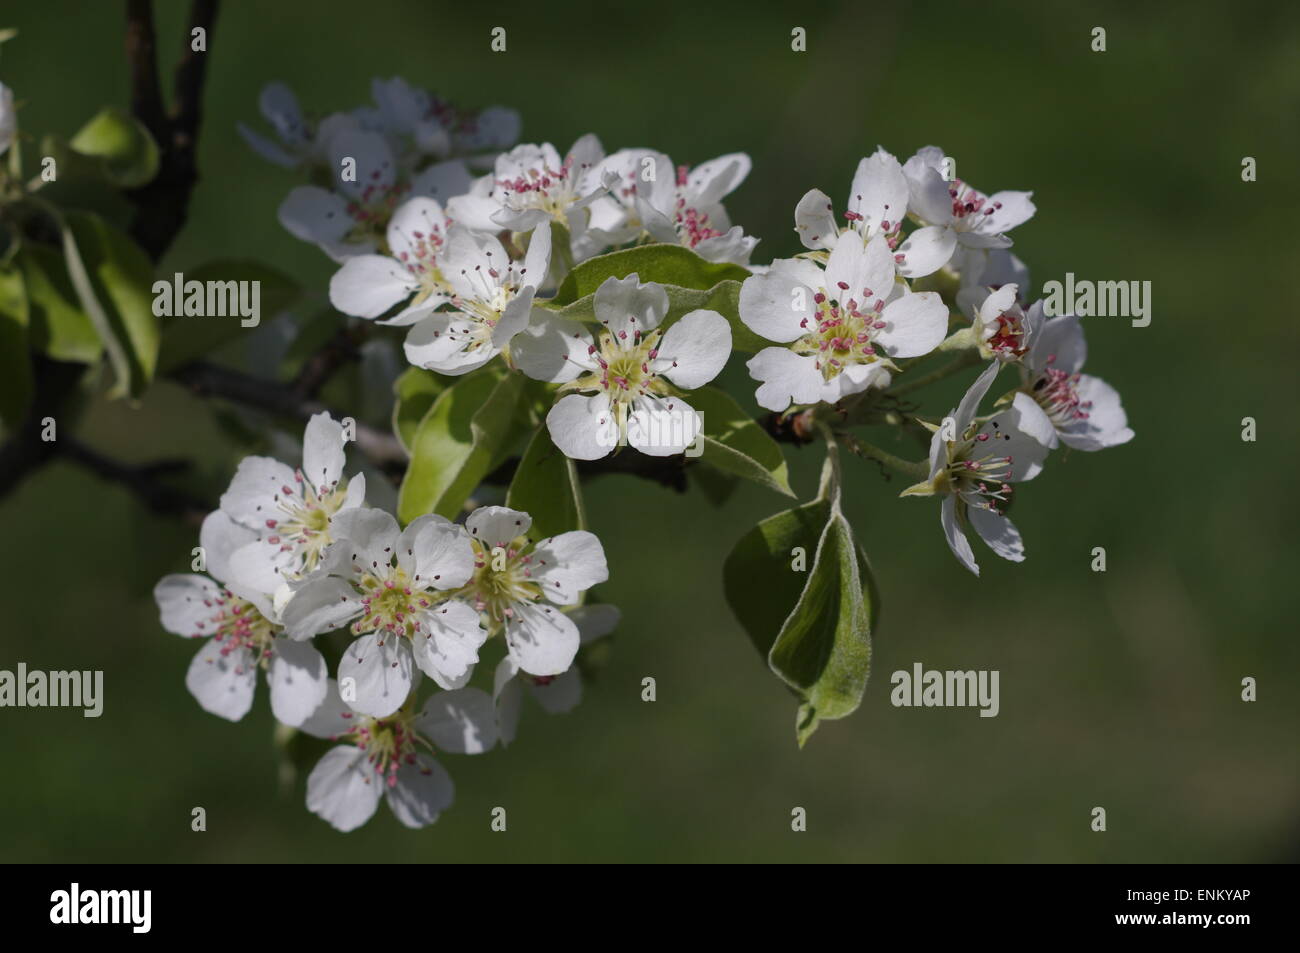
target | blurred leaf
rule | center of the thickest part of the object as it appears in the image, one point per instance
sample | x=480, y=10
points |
x=79, y=182
x=717, y=487
x=188, y=338
x=459, y=441
x=127, y=153
x=735, y=443
x=15, y=356
x=416, y=390
x=823, y=650
x=545, y=486
x=661, y=263
x=114, y=280
x=59, y=328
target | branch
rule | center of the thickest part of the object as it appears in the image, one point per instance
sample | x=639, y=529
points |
x=332, y=355
x=142, y=480
x=161, y=206
x=212, y=380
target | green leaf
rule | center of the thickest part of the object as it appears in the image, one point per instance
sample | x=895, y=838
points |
x=813, y=626
x=187, y=338
x=461, y=439
x=823, y=650
x=416, y=390
x=759, y=578
x=735, y=443
x=546, y=487
x=114, y=281
x=15, y=358
x=59, y=328
x=126, y=151
x=662, y=263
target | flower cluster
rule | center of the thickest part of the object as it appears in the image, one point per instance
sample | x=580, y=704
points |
x=483, y=250
x=293, y=555
x=842, y=312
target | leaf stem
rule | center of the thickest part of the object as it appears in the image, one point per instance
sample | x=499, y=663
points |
x=918, y=469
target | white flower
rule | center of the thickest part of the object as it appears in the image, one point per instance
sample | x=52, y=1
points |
x=245, y=634
x=291, y=512
x=8, y=118
x=975, y=219
x=531, y=185
x=299, y=142
x=555, y=693
x=517, y=584
x=878, y=200
x=838, y=324
x=676, y=205
x=1058, y=404
x=423, y=125
x=989, y=267
x=489, y=298
x=974, y=472
x=397, y=585
x=392, y=757
x=352, y=219
x=625, y=379
x=1002, y=329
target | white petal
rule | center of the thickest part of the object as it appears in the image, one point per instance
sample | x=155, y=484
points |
x=442, y=181
x=220, y=538
x=957, y=540
x=998, y=532
x=321, y=605
x=315, y=215
x=368, y=285
x=1034, y=420
x=380, y=666
x=662, y=426
x=779, y=306
x=343, y=788
x=551, y=349
x=448, y=652
x=926, y=251
x=333, y=718
x=814, y=220
x=1009, y=210
x=322, y=452
x=711, y=181
x=626, y=306
x=254, y=494
x=188, y=604
x=422, y=792
x=436, y=551
x=562, y=693
x=1106, y=424
x=915, y=324
x=595, y=621
x=695, y=349
x=860, y=273
x=463, y=721
x=371, y=536
x=970, y=402
x=298, y=680
x=583, y=428
x=495, y=526
x=569, y=564
x=541, y=639
x=785, y=377
x=223, y=684
x=879, y=191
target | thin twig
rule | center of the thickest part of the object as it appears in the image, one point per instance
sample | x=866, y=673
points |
x=142, y=480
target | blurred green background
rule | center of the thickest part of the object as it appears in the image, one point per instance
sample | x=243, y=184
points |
x=1118, y=689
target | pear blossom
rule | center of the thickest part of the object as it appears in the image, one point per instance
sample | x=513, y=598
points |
x=555, y=693
x=650, y=197
x=973, y=466
x=393, y=757
x=1057, y=403
x=351, y=218
x=489, y=298
x=423, y=125
x=627, y=379
x=1002, y=329
x=8, y=118
x=244, y=634
x=878, y=199
x=518, y=582
x=976, y=220
x=395, y=587
x=989, y=267
x=838, y=325
x=299, y=142
x=531, y=185
x=291, y=512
